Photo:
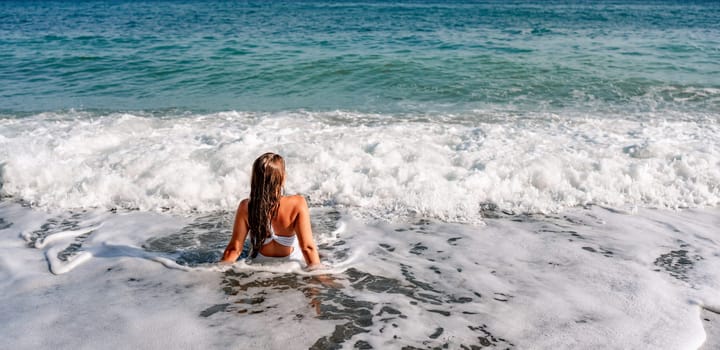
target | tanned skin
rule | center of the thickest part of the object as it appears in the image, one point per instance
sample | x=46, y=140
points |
x=293, y=217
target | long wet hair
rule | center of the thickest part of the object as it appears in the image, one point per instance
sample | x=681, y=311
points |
x=268, y=176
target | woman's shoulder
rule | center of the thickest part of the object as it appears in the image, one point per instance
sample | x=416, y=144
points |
x=295, y=204
x=296, y=200
x=243, y=206
x=293, y=200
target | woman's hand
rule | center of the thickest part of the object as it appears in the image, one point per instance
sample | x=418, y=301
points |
x=240, y=230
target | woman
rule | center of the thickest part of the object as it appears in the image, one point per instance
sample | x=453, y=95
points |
x=279, y=225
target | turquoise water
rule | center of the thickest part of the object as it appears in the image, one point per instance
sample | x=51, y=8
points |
x=514, y=174
x=613, y=58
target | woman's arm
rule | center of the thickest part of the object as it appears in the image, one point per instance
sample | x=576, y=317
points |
x=304, y=234
x=240, y=230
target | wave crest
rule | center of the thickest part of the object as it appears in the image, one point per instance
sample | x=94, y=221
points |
x=377, y=166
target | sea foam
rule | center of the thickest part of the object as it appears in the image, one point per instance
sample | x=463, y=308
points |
x=583, y=278
x=374, y=164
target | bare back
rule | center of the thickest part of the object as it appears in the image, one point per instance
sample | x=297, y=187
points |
x=293, y=218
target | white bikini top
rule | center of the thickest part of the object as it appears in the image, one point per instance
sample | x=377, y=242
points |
x=287, y=241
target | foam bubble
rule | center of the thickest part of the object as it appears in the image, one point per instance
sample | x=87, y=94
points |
x=376, y=165
x=542, y=281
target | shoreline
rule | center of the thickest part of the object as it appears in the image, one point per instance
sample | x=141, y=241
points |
x=578, y=273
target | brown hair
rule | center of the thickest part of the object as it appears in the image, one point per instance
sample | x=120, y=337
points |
x=268, y=175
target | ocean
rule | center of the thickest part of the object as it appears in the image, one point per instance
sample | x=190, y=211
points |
x=505, y=174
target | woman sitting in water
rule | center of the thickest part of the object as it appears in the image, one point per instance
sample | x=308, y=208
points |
x=279, y=225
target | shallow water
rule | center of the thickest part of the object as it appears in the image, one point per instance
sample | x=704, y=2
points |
x=520, y=174
x=584, y=277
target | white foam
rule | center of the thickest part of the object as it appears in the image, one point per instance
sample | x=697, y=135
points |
x=41, y=243
x=539, y=284
x=376, y=165
x=558, y=290
x=557, y=285
x=58, y=267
